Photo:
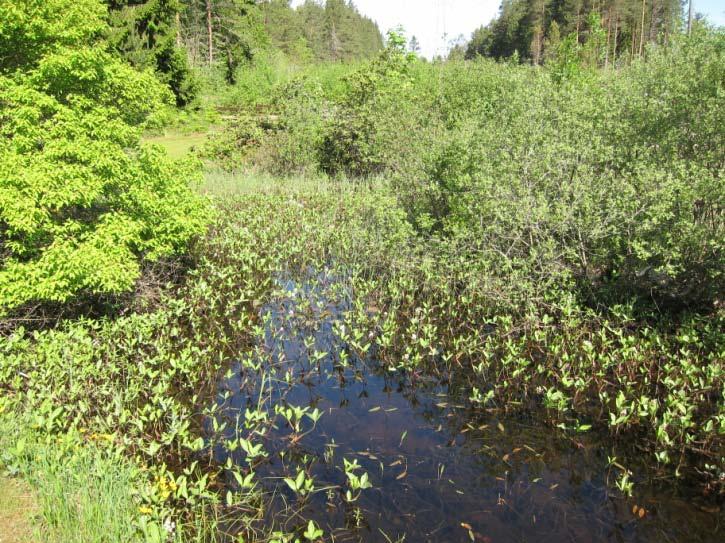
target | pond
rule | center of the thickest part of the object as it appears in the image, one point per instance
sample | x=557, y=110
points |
x=441, y=468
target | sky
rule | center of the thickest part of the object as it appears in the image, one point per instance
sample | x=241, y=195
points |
x=713, y=9
x=431, y=20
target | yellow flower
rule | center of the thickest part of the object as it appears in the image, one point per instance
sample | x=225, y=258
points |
x=145, y=510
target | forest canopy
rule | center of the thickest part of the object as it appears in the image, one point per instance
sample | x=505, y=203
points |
x=534, y=29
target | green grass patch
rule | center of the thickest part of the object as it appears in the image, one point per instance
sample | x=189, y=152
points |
x=80, y=487
x=222, y=183
x=179, y=144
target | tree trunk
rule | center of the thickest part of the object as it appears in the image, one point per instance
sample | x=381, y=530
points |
x=541, y=32
x=641, y=36
x=653, y=22
x=209, y=33
x=689, y=18
x=609, y=33
x=178, y=29
x=536, y=47
x=335, y=45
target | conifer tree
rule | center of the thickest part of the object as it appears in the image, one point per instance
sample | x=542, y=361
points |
x=523, y=26
x=146, y=33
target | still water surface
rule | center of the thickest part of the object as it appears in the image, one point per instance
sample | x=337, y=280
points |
x=442, y=471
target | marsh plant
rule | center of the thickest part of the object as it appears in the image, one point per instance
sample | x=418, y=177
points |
x=356, y=482
x=545, y=246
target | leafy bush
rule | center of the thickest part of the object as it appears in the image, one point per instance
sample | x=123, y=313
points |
x=608, y=183
x=631, y=213
x=255, y=82
x=82, y=203
x=289, y=145
x=33, y=28
x=359, y=139
x=230, y=146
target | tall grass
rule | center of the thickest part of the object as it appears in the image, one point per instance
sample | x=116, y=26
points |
x=219, y=182
x=87, y=491
x=84, y=493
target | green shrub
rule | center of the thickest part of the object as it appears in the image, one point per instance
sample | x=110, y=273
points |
x=290, y=142
x=230, y=146
x=601, y=183
x=33, y=28
x=82, y=203
x=608, y=183
x=359, y=138
x=259, y=83
x=255, y=83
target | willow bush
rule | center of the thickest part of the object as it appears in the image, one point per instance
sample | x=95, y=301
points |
x=607, y=182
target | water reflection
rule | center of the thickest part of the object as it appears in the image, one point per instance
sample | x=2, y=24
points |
x=441, y=470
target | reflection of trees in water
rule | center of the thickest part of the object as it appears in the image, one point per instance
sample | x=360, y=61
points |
x=437, y=461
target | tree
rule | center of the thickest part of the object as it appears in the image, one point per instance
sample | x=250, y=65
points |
x=82, y=203
x=82, y=20
x=552, y=42
x=146, y=33
x=537, y=24
x=337, y=31
x=285, y=28
x=414, y=46
x=222, y=33
x=504, y=35
x=523, y=26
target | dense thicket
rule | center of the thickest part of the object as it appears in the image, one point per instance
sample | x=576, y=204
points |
x=633, y=214
x=534, y=28
x=82, y=203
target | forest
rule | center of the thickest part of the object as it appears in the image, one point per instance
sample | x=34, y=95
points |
x=269, y=275
x=535, y=28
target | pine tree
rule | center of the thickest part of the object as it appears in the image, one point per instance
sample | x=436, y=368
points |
x=414, y=45
x=624, y=27
x=333, y=30
x=223, y=33
x=147, y=35
x=552, y=42
x=537, y=23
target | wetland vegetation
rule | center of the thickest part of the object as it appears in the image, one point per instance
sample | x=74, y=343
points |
x=382, y=299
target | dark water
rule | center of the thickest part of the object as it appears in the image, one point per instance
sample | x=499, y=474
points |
x=441, y=470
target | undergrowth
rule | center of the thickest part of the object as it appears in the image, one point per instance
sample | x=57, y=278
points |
x=131, y=393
